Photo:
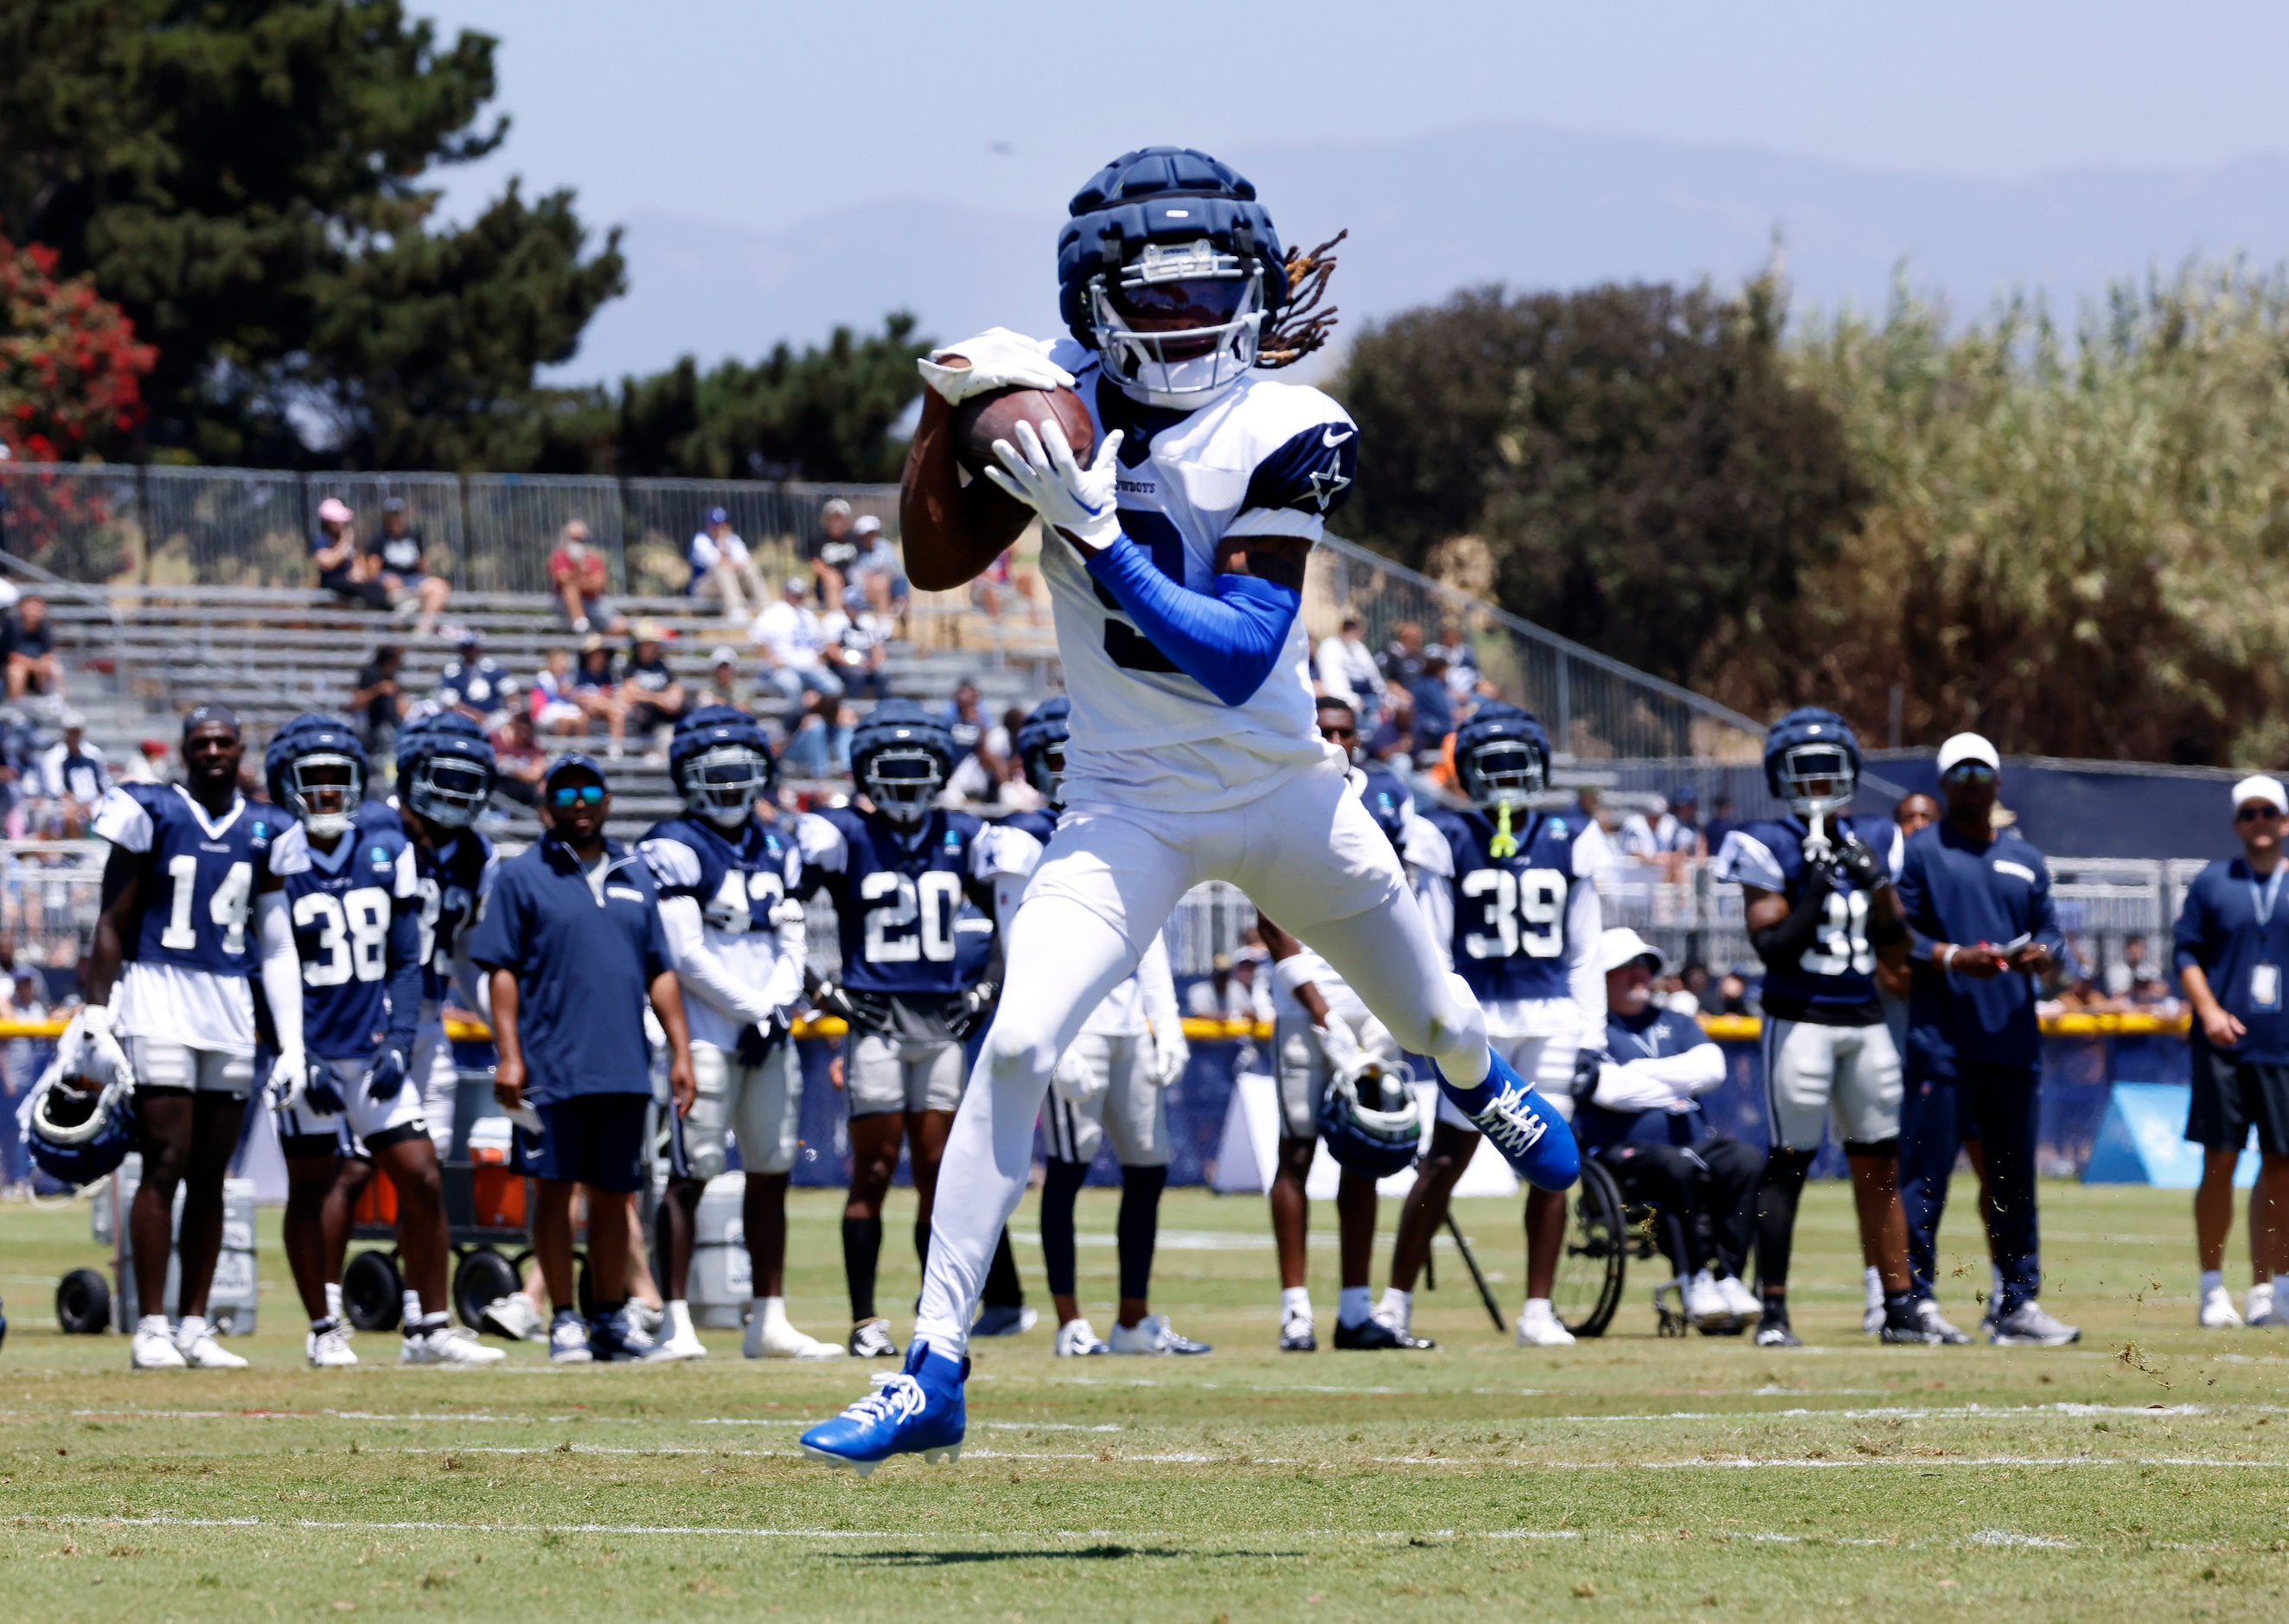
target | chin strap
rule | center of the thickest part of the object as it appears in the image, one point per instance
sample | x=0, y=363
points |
x=1504, y=844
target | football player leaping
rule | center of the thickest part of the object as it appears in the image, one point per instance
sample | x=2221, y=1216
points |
x=1513, y=899
x=724, y=880
x=1818, y=891
x=1177, y=577
x=898, y=869
x=1113, y=1083
x=354, y=903
x=189, y=865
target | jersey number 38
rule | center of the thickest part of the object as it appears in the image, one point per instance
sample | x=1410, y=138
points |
x=353, y=934
x=1517, y=912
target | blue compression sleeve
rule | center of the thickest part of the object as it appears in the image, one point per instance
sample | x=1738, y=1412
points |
x=1228, y=643
x=404, y=961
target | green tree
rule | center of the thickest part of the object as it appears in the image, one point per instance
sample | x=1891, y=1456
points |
x=247, y=179
x=1646, y=474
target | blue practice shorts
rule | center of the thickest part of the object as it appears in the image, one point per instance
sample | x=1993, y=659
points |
x=591, y=1139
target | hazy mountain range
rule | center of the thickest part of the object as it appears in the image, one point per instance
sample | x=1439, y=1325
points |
x=1525, y=206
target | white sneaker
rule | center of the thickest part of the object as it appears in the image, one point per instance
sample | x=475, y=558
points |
x=2260, y=1310
x=328, y=1349
x=2031, y=1326
x=568, y=1342
x=2217, y=1313
x=1704, y=1304
x=514, y=1318
x=1538, y=1328
x=775, y=1337
x=683, y=1344
x=1150, y=1335
x=647, y=1318
x=1871, y=1311
x=202, y=1352
x=1078, y=1339
x=1740, y=1300
x=453, y=1345
x=153, y=1350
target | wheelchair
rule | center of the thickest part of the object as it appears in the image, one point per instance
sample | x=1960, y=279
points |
x=1603, y=1233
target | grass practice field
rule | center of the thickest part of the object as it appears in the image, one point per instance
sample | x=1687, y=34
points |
x=2145, y=1472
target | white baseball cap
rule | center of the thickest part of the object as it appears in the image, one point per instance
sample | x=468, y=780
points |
x=1621, y=945
x=2261, y=787
x=1967, y=747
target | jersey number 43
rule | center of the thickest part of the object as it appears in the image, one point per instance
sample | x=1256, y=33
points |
x=1518, y=912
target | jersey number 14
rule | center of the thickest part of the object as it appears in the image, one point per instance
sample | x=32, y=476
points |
x=226, y=907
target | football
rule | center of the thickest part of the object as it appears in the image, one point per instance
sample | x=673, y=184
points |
x=982, y=419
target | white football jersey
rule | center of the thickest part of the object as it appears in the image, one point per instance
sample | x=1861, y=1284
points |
x=1011, y=853
x=1262, y=458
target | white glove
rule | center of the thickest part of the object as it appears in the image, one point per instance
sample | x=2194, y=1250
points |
x=1077, y=1082
x=88, y=1050
x=995, y=359
x=1043, y=475
x=1170, y=1055
x=289, y=1078
x=1337, y=1041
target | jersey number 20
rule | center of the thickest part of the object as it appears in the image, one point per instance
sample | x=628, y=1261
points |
x=353, y=934
x=1520, y=912
x=935, y=898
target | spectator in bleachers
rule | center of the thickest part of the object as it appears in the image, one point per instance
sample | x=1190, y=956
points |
x=725, y=685
x=398, y=558
x=72, y=778
x=1347, y=671
x=1692, y=997
x=980, y=776
x=721, y=568
x=649, y=686
x=1465, y=683
x=596, y=688
x=147, y=765
x=793, y=641
x=577, y=574
x=1434, y=708
x=856, y=643
x=334, y=550
x=1599, y=854
x=2131, y=972
x=1722, y=823
x=965, y=717
x=378, y=702
x=819, y=744
x=1732, y=996
x=555, y=706
x=19, y=766
x=1659, y=838
x=476, y=684
x=1685, y=813
x=30, y=639
x=519, y=761
x=831, y=551
x=1392, y=739
x=1228, y=994
x=1401, y=659
x=878, y=579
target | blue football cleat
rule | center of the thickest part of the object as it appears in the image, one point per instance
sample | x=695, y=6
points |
x=919, y=1410
x=1507, y=1111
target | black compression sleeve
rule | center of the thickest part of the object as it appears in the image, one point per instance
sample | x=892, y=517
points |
x=1002, y=1288
x=1138, y=1227
x=1782, y=945
x=1061, y=1183
x=1776, y=1198
x=862, y=1251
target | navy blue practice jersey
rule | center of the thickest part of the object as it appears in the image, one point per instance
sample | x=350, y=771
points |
x=1833, y=980
x=1509, y=912
x=737, y=883
x=343, y=905
x=899, y=895
x=452, y=881
x=199, y=876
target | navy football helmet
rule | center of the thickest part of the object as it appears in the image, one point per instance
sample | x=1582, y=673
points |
x=1502, y=756
x=1370, y=1117
x=1041, y=748
x=446, y=769
x=1812, y=761
x=78, y=1136
x=721, y=765
x=316, y=772
x=902, y=755
x=1167, y=268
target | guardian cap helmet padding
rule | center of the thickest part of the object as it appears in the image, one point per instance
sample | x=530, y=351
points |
x=1812, y=761
x=721, y=765
x=1502, y=756
x=315, y=769
x=1041, y=748
x=902, y=755
x=446, y=769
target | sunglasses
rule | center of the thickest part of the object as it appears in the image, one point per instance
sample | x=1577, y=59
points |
x=572, y=795
x=2250, y=814
x=1970, y=772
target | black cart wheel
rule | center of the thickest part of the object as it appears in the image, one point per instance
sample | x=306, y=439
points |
x=83, y=1303
x=1590, y=1273
x=373, y=1292
x=481, y=1277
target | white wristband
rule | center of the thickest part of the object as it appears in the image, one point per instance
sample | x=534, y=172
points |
x=1947, y=960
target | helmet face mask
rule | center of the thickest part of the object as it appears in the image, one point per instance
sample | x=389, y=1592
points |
x=902, y=781
x=1370, y=1117
x=723, y=784
x=1504, y=774
x=324, y=790
x=1815, y=779
x=1179, y=323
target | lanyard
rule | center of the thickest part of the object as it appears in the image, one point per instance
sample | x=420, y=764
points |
x=2261, y=899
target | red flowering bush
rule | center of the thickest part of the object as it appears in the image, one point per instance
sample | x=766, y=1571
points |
x=70, y=369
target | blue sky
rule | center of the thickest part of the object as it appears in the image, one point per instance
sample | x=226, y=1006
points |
x=762, y=115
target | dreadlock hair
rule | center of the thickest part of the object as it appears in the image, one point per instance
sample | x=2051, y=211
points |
x=1302, y=327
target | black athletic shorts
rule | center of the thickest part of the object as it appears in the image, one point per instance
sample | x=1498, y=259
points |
x=591, y=1139
x=2232, y=1096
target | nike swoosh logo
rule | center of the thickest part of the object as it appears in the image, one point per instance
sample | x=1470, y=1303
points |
x=1329, y=438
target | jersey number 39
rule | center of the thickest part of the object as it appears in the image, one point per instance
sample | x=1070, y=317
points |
x=1518, y=912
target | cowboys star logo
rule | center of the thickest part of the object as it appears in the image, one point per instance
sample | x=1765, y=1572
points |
x=1329, y=483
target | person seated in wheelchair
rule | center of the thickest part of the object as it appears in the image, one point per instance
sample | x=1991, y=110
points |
x=1643, y=1121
